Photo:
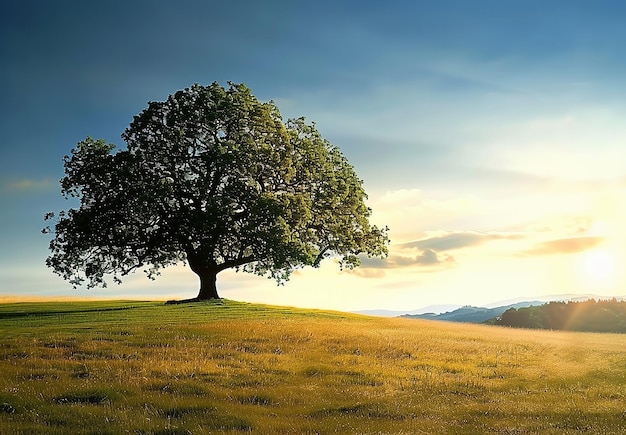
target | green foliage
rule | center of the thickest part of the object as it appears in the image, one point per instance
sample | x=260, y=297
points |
x=213, y=177
x=591, y=315
x=228, y=367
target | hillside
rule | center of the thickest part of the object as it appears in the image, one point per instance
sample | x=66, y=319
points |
x=227, y=367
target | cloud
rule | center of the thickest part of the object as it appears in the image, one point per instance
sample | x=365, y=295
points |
x=426, y=259
x=430, y=257
x=26, y=185
x=568, y=224
x=430, y=253
x=457, y=240
x=368, y=272
x=571, y=245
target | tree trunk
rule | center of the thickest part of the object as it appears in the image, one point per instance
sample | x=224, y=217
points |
x=207, y=272
x=208, y=286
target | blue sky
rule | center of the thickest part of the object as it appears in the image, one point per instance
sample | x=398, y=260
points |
x=489, y=134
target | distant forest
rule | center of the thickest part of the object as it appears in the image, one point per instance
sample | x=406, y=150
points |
x=591, y=315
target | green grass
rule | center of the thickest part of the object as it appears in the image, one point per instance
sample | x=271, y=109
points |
x=231, y=367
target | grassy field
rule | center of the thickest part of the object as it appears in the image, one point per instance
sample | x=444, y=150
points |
x=230, y=367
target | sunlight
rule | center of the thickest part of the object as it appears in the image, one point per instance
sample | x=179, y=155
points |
x=599, y=265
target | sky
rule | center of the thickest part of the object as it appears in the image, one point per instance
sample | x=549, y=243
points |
x=490, y=135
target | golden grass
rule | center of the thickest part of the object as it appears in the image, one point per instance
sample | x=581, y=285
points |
x=110, y=367
x=17, y=299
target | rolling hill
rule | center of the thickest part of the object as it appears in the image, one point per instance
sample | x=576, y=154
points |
x=232, y=367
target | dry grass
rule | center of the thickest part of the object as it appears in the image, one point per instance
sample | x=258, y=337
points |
x=110, y=367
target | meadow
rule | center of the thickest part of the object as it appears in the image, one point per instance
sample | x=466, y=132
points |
x=231, y=367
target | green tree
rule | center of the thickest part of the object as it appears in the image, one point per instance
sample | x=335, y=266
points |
x=213, y=178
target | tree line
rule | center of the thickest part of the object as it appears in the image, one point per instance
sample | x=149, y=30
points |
x=590, y=315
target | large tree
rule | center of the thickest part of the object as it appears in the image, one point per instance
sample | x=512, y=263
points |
x=213, y=178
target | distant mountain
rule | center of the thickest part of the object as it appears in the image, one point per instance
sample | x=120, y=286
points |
x=567, y=297
x=470, y=314
x=391, y=313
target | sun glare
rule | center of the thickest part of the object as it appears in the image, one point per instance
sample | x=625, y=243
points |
x=599, y=265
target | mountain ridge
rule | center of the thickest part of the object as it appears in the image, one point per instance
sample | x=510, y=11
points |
x=450, y=312
x=471, y=314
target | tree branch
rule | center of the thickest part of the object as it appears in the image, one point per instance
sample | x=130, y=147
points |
x=320, y=256
x=236, y=262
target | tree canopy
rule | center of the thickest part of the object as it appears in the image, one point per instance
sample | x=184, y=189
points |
x=590, y=315
x=216, y=179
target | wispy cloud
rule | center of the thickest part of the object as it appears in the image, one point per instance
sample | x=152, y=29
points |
x=429, y=254
x=568, y=224
x=427, y=260
x=27, y=185
x=365, y=272
x=571, y=245
x=457, y=240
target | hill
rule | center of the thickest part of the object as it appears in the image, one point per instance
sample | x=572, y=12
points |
x=228, y=367
x=470, y=314
x=396, y=313
x=432, y=310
